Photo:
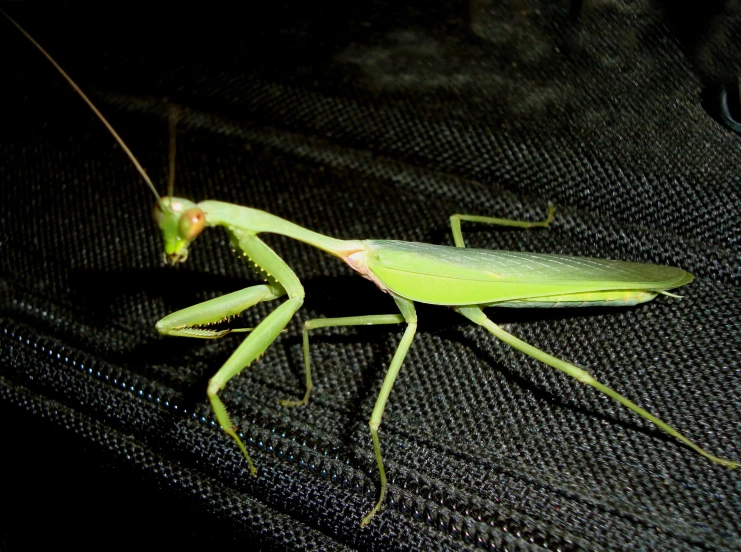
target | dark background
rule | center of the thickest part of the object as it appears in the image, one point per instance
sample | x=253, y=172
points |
x=369, y=120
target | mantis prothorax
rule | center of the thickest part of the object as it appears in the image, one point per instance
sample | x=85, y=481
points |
x=466, y=280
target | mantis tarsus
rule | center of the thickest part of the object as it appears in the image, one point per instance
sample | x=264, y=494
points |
x=466, y=280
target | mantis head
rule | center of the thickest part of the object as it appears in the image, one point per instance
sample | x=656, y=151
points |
x=181, y=221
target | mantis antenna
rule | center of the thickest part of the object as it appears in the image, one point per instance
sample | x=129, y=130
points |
x=467, y=280
x=90, y=104
x=173, y=116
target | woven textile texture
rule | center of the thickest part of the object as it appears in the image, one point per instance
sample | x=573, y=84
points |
x=369, y=120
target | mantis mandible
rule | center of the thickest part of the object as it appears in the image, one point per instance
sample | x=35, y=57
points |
x=466, y=280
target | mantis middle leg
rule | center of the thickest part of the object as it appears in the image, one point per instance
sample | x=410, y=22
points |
x=407, y=315
x=367, y=320
x=455, y=223
x=410, y=316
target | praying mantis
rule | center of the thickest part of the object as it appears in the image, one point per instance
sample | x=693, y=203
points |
x=456, y=277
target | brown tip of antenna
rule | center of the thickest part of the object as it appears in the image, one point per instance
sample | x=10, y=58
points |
x=90, y=104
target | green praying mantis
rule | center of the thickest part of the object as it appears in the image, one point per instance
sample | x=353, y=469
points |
x=466, y=280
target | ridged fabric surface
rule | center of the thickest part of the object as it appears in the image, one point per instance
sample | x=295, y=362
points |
x=373, y=120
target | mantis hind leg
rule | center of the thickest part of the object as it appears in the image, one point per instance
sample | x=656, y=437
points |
x=455, y=223
x=476, y=315
x=369, y=320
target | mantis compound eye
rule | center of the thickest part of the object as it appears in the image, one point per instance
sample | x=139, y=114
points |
x=192, y=222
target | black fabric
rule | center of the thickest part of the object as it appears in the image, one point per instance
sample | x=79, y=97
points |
x=365, y=120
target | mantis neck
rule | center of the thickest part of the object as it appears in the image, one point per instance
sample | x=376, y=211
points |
x=247, y=219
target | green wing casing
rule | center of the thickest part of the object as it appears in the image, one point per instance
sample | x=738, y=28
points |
x=443, y=275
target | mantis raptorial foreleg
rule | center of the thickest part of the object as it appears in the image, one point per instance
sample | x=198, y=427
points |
x=476, y=315
x=282, y=281
x=455, y=223
x=181, y=323
x=367, y=320
x=464, y=279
